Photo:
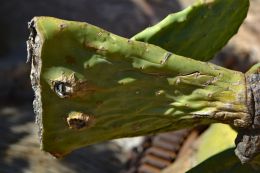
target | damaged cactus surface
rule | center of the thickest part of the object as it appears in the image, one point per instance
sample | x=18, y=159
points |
x=91, y=85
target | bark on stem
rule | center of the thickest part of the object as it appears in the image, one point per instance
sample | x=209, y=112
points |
x=248, y=140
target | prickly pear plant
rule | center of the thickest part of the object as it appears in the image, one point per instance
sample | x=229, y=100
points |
x=91, y=85
x=198, y=31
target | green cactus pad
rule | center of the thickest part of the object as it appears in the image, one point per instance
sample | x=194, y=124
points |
x=91, y=85
x=224, y=162
x=199, y=31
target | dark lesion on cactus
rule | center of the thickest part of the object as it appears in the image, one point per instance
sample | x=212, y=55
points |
x=70, y=60
x=79, y=121
x=62, y=89
x=69, y=86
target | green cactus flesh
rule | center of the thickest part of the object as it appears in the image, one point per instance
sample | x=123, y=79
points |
x=217, y=138
x=200, y=30
x=224, y=162
x=215, y=148
x=91, y=85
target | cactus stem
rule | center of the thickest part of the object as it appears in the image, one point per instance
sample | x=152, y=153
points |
x=121, y=89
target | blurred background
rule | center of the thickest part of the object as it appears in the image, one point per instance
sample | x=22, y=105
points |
x=19, y=147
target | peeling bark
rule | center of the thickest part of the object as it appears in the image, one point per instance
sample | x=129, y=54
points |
x=248, y=140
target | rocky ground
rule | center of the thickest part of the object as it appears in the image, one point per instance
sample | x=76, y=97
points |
x=19, y=148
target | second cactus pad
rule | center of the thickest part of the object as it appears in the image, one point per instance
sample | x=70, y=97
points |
x=200, y=30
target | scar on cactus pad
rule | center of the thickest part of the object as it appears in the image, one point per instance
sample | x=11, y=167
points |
x=79, y=121
x=91, y=85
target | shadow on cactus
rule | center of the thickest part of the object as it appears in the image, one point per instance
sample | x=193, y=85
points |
x=91, y=85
